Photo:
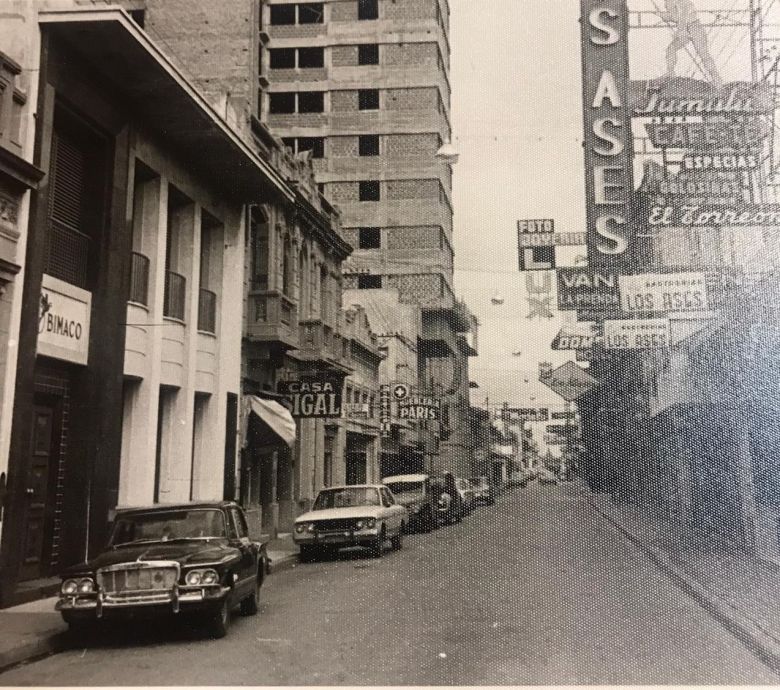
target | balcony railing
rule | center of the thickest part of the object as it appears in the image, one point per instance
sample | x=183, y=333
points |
x=139, y=279
x=67, y=254
x=175, y=289
x=207, y=311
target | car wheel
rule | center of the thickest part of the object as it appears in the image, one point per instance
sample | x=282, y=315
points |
x=376, y=547
x=251, y=604
x=427, y=522
x=398, y=540
x=308, y=553
x=219, y=621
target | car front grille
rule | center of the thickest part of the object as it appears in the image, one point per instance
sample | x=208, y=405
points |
x=337, y=525
x=129, y=578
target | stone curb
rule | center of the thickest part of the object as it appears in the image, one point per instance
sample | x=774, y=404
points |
x=747, y=631
x=284, y=562
x=51, y=643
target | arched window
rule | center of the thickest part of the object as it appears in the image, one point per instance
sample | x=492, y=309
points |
x=324, y=294
x=259, y=227
x=287, y=266
x=303, y=305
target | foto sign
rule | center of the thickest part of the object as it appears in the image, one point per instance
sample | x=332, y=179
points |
x=545, y=226
x=313, y=397
x=559, y=239
x=663, y=292
x=537, y=258
x=637, y=334
x=607, y=126
x=587, y=289
x=63, y=321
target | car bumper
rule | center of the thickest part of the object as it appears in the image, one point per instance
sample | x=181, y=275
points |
x=338, y=539
x=190, y=599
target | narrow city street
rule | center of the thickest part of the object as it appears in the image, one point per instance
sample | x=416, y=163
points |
x=538, y=589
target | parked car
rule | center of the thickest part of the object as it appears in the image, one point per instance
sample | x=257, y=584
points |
x=356, y=515
x=466, y=492
x=449, y=508
x=547, y=477
x=414, y=492
x=483, y=491
x=188, y=558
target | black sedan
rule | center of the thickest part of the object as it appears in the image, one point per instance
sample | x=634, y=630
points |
x=193, y=558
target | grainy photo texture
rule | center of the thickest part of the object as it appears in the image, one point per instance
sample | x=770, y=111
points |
x=389, y=342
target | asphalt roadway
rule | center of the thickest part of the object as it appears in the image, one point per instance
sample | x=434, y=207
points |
x=538, y=589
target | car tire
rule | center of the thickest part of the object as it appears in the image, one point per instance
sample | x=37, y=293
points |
x=427, y=523
x=377, y=546
x=251, y=604
x=398, y=540
x=308, y=553
x=219, y=620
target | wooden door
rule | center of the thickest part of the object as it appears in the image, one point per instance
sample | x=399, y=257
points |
x=37, y=491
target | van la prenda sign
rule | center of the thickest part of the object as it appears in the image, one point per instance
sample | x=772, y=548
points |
x=63, y=321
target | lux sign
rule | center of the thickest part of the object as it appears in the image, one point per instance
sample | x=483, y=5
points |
x=608, y=141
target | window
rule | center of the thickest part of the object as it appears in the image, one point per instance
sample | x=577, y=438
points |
x=310, y=13
x=309, y=58
x=281, y=102
x=369, y=190
x=368, y=54
x=368, y=145
x=282, y=14
x=282, y=58
x=370, y=238
x=321, y=188
x=259, y=238
x=314, y=144
x=368, y=99
x=311, y=102
x=369, y=282
x=368, y=9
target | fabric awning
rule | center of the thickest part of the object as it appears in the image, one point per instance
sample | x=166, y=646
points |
x=274, y=423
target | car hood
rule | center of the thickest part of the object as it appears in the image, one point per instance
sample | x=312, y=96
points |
x=336, y=513
x=184, y=552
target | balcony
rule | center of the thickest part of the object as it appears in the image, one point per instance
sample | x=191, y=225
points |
x=207, y=311
x=139, y=279
x=272, y=317
x=320, y=342
x=175, y=293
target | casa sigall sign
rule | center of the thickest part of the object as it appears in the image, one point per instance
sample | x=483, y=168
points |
x=663, y=292
x=608, y=142
x=313, y=396
x=637, y=334
x=63, y=321
x=419, y=407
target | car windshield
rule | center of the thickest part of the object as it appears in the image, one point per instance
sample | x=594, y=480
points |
x=407, y=488
x=165, y=526
x=346, y=498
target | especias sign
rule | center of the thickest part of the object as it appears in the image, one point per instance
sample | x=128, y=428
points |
x=608, y=141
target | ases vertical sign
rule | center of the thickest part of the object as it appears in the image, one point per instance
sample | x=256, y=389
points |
x=608, y=142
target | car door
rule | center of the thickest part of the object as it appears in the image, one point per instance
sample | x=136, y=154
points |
x=248, y=564
x=392, y=510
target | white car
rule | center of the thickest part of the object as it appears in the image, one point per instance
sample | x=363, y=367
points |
x=355, y=515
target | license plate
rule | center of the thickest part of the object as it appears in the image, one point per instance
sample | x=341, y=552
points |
x=336, y=537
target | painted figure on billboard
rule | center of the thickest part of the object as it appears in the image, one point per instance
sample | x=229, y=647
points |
x=688, y=29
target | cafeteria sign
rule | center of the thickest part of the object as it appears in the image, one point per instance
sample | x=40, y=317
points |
x=313, y=397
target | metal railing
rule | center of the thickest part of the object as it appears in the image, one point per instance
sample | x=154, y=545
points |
x=139, y=279
x=67, y=254
x=207, y=311
x=175, y=290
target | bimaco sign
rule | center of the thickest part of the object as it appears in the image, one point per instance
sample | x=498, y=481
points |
x=608, y=142
x=63, y=321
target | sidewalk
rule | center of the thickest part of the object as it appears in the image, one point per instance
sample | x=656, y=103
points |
x=35, y=629
x=739, y=590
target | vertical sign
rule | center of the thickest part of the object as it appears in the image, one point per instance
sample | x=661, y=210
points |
x=608, y=141
x=384, y=409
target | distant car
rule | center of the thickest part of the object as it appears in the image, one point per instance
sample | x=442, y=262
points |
x=414, y=492
x=483, y=491
x=355, y=515
x=466, y=492
x=449, y=507
x=187, y=558
x=547, y=477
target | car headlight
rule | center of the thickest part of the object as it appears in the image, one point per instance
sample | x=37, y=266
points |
x=302, y=527
x=210, y=577
x=194, y=577
x=86, y=585
x=370, y=523
x=360, y=524
x=69, y=587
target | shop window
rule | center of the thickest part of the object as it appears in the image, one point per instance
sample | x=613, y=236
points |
x=282, y=14
x=368, y=99
x=370, y=238
x=281, y=103
x=311, y=102
x=310, y=58
x=368, y=54
x=368, y=145
x=368, y=9
x=310, y=13
x=368, y=282
x=282, y=58
x=369, y=190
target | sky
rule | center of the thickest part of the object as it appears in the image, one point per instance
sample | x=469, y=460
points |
x=517, y=124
